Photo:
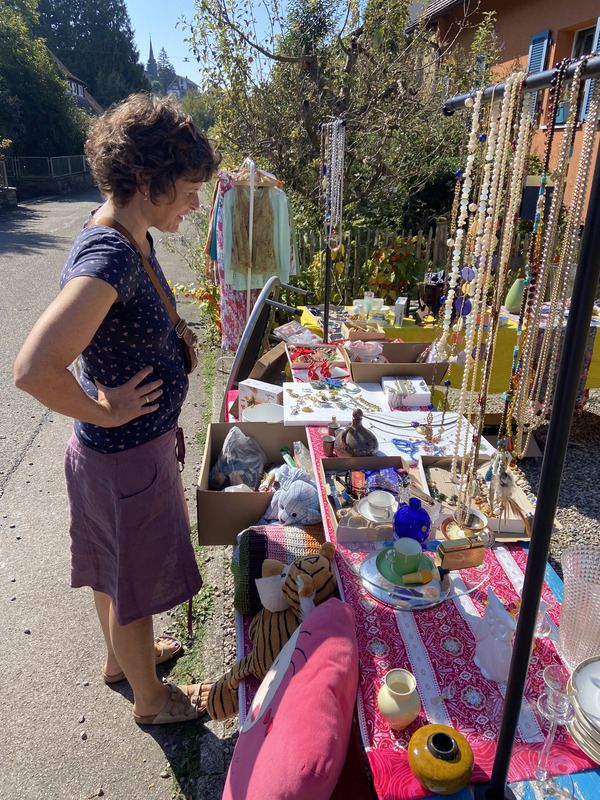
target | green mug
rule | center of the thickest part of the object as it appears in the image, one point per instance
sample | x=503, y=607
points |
x=404, y=556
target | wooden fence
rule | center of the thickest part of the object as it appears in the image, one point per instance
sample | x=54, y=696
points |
x=360, y=244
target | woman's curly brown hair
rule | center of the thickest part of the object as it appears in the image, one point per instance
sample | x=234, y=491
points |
x=147, y=139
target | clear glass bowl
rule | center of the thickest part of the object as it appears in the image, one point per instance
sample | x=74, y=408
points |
x=361, y=556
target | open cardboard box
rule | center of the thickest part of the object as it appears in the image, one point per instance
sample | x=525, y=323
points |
x=268, y=368
x=509, y=529
x=338, y=359
x=402, y=357
x=222, y=515
x=380, y=532
x=362, y=331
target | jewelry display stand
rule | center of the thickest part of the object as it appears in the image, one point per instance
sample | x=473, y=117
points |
x=580, y=315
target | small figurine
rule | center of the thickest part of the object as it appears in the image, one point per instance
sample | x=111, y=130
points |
x=355, y=439
x=493, y=637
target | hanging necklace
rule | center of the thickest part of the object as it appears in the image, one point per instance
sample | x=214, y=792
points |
x=489, y=205
x=540, y=399
x=440, y=346
x=537, y=270
x=333, y=140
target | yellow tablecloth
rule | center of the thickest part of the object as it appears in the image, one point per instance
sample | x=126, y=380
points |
x=501, y=368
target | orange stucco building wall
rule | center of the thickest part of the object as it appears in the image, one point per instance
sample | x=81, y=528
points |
x=516, y=22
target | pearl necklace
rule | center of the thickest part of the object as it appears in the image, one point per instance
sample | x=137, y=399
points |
x=440, y=350
x=489, y=208
x=512, y=204
x=478, y=351
x=530, y=411
x=552, y=334
x=537, y=271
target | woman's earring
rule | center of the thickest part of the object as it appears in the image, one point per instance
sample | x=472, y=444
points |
x=145, y=195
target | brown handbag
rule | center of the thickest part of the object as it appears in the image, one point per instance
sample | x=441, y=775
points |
x=187, y=337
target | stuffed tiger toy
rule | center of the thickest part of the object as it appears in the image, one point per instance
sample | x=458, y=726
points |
x=288, y=595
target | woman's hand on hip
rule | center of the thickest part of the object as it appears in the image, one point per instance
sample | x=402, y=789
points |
x=130, y=400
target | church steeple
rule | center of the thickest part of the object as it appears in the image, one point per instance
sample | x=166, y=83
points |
x=151, y=68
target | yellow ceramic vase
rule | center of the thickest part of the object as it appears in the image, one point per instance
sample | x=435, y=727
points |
x=440, y=758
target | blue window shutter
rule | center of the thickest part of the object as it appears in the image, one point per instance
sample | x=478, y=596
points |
x=538, y=51
x=589, y=84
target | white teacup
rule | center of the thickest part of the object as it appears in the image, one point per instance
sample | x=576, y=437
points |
x=381, y=504
x=404, y=556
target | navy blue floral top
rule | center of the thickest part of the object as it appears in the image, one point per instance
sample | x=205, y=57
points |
x=137, y=331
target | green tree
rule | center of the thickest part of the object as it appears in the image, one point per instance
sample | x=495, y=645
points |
x=37, y=114
x=94, y=39
x=327, y=59
x=201, y=107
x=166, y=71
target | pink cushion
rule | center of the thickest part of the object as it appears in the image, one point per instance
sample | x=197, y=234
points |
x=294, y=740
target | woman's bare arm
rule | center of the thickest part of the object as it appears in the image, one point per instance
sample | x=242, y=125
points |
x=58, y=337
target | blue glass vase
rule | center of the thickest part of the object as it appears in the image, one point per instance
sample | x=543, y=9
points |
x=412, y=520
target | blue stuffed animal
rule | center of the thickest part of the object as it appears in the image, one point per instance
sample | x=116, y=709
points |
x=296, y=502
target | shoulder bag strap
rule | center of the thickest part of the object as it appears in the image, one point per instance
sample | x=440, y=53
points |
x=112, y=223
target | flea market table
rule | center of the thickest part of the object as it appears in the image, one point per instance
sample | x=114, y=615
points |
x=437, y=645
x=501, y=368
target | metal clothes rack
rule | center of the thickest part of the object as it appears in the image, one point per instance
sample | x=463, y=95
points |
x=578, y=323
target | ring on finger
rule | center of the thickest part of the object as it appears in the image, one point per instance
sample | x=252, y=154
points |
x=146, y=399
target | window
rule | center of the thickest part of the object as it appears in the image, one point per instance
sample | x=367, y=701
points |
x=583, y=42
x=584, y=36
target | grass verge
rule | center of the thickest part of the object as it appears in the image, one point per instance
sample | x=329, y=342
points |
x=185, y=764
x=210, y=372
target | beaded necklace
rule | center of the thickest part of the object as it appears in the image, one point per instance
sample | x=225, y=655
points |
x=440, y=346
x=536, y=275
x=333, y=139
x=480, y=352
x=552, y=334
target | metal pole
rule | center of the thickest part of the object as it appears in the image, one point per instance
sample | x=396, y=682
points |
x=327, y=291
x=532, y=83
x=573, y=351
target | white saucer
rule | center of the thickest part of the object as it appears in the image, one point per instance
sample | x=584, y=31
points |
x=585, y=680
x=364, y=510
x=585, y=743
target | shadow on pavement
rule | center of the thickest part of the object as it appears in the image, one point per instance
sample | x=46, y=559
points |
x=17, y=224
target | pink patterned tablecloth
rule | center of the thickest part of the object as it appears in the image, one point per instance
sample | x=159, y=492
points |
x=437, y=645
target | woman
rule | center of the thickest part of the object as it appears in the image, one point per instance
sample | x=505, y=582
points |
x=130, y=535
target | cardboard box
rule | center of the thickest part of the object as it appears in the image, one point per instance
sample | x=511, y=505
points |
x=382, y=532
x=269, y=366
x=402, y=358
x=510, y=529
x=335, y=352
x=362, y=331
x=222, y=515
x=252, y=393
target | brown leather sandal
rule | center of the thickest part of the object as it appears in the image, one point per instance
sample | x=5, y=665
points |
x=180, y=707
x=166, y=653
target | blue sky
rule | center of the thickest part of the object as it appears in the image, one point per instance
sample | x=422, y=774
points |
x=158, y=18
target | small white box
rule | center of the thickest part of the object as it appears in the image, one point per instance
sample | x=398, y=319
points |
x=252, y=393
x=408, y=392
x=399, y=310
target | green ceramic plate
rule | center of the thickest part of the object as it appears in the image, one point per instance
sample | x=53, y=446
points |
x=385, y=568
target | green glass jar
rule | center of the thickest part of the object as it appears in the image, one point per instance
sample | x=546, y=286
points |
x=440, y=758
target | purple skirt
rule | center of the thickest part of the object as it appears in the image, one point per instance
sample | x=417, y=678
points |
x=129, y=526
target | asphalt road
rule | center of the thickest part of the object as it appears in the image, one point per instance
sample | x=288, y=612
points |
x=63, y=733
